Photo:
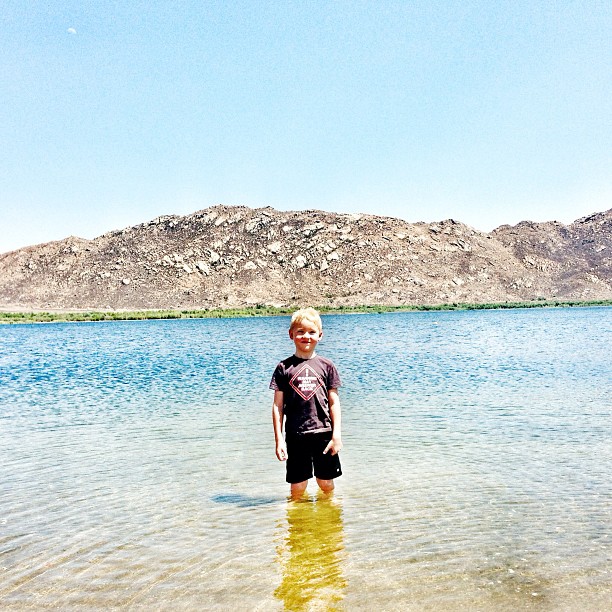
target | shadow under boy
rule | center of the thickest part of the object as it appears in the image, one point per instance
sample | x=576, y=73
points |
x=306, y=405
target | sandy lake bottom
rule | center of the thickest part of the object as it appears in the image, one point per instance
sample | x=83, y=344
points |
x=138, y=467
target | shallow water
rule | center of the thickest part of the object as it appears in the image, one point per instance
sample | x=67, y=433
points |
x=138, y=466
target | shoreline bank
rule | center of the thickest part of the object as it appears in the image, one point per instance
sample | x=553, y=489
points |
x=66, y=316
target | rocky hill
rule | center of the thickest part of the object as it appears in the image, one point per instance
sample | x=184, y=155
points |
x=235, y=256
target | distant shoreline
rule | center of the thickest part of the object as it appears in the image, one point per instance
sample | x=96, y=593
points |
x=67, y=316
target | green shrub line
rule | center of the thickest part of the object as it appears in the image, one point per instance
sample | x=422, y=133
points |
x=262, y=310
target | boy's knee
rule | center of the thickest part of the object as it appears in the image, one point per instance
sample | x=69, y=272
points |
x=298, y=488
x=325, y=485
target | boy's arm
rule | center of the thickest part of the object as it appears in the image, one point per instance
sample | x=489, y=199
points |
x=277, y=422
x=335, y=444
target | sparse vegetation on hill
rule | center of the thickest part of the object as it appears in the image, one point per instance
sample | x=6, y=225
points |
x=235, y=258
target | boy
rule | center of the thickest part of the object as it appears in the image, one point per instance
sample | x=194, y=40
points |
x=306, y=398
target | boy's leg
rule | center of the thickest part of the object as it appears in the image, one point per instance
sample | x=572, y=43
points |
x=299, y=465
x=298, y=488
x=327, y=486
x=326, y=466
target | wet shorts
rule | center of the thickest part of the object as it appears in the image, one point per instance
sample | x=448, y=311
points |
x=306, y=451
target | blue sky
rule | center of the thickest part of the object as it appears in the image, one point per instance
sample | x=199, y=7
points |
x=115, y=112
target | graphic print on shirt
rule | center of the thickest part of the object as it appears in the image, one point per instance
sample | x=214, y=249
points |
x=306, y=381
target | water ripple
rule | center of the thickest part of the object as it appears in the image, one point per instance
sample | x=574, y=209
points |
x=138, y=467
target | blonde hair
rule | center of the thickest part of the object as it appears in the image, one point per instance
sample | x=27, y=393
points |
x=306, y=314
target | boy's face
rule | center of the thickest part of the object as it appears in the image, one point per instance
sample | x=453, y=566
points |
x=305, y=336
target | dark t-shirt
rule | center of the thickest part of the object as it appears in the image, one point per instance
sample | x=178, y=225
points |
x=305, y=384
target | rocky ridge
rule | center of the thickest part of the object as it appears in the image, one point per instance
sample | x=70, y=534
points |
x=227, y=256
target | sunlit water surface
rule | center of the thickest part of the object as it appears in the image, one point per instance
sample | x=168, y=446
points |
x=138, y=467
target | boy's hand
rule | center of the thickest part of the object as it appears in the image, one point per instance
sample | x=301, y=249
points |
x=281, y=452
x=335, y=446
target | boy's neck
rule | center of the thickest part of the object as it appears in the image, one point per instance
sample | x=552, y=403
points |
x=302, y=355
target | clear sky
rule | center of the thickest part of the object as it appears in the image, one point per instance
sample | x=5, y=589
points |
x=115, y=112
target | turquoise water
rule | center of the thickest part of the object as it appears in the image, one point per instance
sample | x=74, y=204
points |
x=138, y=467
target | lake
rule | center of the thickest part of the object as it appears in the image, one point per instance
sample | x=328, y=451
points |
x=138, y=467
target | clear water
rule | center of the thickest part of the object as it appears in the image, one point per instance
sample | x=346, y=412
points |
x=138, y=471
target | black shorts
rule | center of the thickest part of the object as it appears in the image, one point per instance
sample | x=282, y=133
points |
x=306, y=451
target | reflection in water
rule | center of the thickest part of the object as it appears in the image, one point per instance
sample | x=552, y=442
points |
x=311, y=555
